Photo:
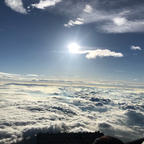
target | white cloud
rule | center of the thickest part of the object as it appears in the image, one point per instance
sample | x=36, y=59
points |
x=16, y=5
x=102, y=53
x=25, y=112
x=78, y=21
x=91, y=18
x=119, y=21
x=125, y=27
x=92, y=54
x=136, y=47
x=97, y=16
x=46, y=3
x=88, y=8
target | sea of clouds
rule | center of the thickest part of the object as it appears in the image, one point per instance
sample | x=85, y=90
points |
x=27, y=108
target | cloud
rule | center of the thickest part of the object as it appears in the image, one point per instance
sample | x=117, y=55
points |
x=136, y=47
x=46, y=3
x=102, y=53
x=78, y=21
x=135, y=118
x=98, y=16
x=92, y=54
x=108, y=16
x=119, y=21
x=24, y=112
x=88, y=8
x=16, y=5
x=127, y=26
x=113, y=16
x=27, y=77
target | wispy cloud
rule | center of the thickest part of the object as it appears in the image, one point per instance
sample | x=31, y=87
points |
x=136, y=47
x=46, y=3
x=24, y=77
x=78, y=21
x=16, y=5
x=100, y=16
x=110, y=23
x=114, y=17
x=108, y=16
x=126, y=26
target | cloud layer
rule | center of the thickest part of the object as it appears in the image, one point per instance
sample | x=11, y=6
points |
x=27, y=108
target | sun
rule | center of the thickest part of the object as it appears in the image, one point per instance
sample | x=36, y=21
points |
x=73, y=47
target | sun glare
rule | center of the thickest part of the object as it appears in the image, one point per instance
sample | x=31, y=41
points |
x=73, y=48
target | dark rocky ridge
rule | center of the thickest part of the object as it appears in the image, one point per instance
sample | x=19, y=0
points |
x=72, y=138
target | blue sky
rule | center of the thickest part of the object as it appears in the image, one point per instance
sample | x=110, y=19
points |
x=34, y=38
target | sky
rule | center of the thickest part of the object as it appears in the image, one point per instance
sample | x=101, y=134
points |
x=35, y=37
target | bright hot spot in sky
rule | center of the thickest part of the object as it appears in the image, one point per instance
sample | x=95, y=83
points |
x=73, y=47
